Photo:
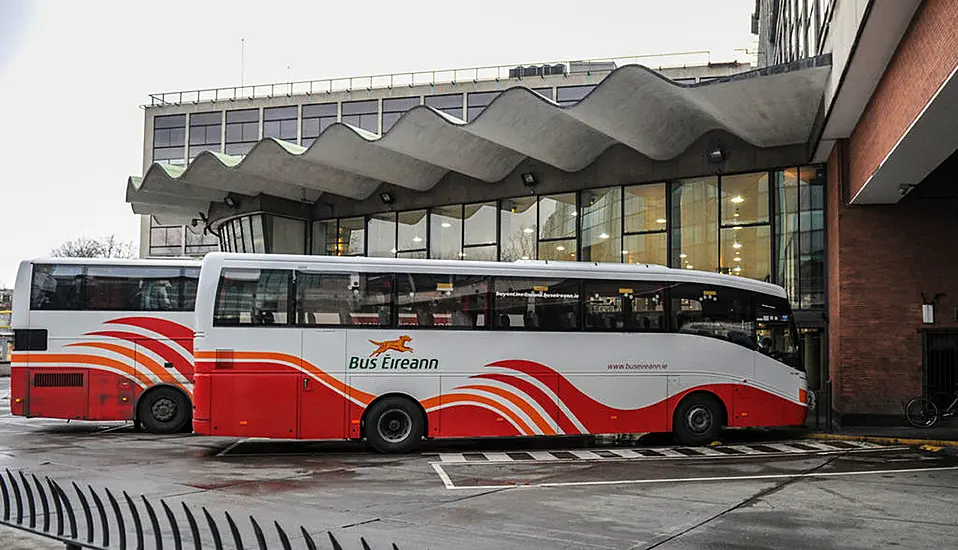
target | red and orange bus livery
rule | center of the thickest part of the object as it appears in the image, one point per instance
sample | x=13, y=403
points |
x=394, y=350
x=105, y=340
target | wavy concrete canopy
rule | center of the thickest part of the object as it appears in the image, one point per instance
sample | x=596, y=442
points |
x=633, y=106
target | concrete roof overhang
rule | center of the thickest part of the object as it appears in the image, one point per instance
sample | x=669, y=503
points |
x=929, y=140
x=633, y=106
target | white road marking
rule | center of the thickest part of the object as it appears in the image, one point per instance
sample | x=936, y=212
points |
x=745, y=449
x=542, y=455
x=444, y=476
x=587, y=455
x=452, y=457
x=232, y=446
x=450, y=485
x=709, y=451
x=498, y=457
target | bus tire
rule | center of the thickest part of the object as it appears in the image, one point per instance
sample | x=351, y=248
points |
x=163, y=410
x=698, y=419
x=394, y=425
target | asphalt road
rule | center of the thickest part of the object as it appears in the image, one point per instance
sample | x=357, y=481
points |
x=753, y=492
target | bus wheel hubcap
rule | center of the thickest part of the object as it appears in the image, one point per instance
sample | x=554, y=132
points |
x=164, y=409
x=395, y=426
x=699, y=419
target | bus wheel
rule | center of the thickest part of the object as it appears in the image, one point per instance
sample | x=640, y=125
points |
x=163, y=410
x=394, y=425
x=698, y=420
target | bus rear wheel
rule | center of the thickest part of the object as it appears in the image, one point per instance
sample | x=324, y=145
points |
x=698, y=420
x=394, y=425
x=163, y=410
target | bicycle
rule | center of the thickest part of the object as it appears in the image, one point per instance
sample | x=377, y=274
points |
x=921, y=412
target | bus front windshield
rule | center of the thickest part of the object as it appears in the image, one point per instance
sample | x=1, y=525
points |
x=775, y=331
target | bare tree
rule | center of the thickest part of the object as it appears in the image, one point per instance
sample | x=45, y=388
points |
x=86, y=247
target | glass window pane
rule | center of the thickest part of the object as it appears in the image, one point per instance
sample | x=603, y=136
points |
x=647, y=248
x=170, y=121
x=310, y=127
x=812, y=242
x=570, y=95
x=323, y=109
x=480, y=253
x=714, y=311
x=382, y=235
x=202, y=119
x=601, y=219
x=343, y=299
x=536, y=304
x=389, y=119
x=324, y=238
x=544, y=92
x=244, y=115
x=695, y=224
x=645, y=208
x=557, y=250
x=745, y=199
x=412, y=230
x=280, y=113
x=360, y=107
x=447, y=301
x=399, y=104
x=557, y=216
x=480, y=221
x=252, y=297
x=518, y=229
x=259, y=242
x=287, y=236
x=57, y=287
x=448, y=101
x=114, y=288
x=445, y=232
x=746, y=252
x=624, y=306
x=352, y=237
x=786, y=232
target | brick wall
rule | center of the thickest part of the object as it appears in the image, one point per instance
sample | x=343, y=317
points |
x=926, y=55
x=881, y=259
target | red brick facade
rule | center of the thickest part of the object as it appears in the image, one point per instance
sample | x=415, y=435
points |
x=882, y=258
x=926, y=55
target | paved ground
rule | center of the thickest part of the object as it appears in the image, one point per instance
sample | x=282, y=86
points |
x=754, y=492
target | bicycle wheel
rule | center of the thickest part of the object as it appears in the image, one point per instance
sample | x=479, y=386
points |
x=921, y=413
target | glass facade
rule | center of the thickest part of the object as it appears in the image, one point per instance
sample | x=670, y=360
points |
x=477, y=102
x=316, y=118
x=242, y=131
x=362, y=114
x=766, y=225
x=451, y=104
x=280, y=122
x=169, y=139
x=393, y=108
x=570, y=95
x=205, y=132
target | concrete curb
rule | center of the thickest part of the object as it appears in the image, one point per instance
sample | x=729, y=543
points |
x=884, y=439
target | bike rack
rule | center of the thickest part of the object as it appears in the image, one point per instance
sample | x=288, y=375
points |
x=45, y=509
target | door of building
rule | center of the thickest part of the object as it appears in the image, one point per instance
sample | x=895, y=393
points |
x=940, y=365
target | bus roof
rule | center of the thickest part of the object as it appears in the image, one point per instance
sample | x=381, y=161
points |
x=158, y=262
x=519, y=268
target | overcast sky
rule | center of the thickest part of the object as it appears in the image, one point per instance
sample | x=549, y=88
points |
x=74, y=74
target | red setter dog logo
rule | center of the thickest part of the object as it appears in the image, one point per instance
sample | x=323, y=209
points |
x=399, y=345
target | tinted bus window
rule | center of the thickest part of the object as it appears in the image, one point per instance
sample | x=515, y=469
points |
x=135, y=288
x=444, y=301
x=775, y=330
x=537, y=304
x=57, y=287
x=714, y=311
x=252, y=297
x=624, y=306
x=343, y=299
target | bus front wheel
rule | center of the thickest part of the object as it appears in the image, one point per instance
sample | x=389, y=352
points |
x=698, y=419
x=163, y=410
x=394, y=425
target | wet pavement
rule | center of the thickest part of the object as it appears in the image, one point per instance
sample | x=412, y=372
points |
x=756, y=491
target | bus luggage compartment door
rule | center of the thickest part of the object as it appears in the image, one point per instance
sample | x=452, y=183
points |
x=322, y=411
x=58, y=393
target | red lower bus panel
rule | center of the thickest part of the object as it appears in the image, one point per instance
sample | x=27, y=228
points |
x=112, y=397
x=19, y=382
x=58, y=393
x=472, y=421
x=247, y=405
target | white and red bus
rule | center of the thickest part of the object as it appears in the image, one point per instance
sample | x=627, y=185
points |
x=98, y=339
x=395, y=350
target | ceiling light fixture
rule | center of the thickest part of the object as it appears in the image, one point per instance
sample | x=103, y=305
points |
x=736, y=245
x=446, y=224
x=528, y=230
x=738, y=199
x=661, y=220
x=604, y=236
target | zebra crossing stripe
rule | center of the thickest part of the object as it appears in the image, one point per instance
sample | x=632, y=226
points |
x=728, y=451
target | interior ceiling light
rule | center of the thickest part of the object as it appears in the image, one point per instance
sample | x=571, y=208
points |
x=660, y=220
x=446, y=224
x=604, y=236
x=736, y=245
x=683, y=255
x=738, y=199
x=736, y=259
x=524, y=258
x=560, y=247
x=417, y=239
x=528, y=230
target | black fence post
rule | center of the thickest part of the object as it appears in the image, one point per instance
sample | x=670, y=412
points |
x=828, y=406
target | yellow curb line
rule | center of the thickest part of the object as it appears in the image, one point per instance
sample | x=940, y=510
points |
x=885, y=440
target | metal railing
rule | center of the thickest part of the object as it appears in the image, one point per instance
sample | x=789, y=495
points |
x=447, y=76
x=88, y=520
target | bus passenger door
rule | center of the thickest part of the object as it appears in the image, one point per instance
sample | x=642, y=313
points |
x=322, y=410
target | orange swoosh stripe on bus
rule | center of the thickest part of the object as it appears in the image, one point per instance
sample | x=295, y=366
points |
x=517, y=401
x=328, y=379
x=94, y=360
x=140, y=358
x=467, y=398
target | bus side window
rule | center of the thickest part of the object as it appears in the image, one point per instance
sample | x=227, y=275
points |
x=714, y=311
x=57, y=287
x=624, y=305
x=343, y=299
x=441, y=301
x=537, y=304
